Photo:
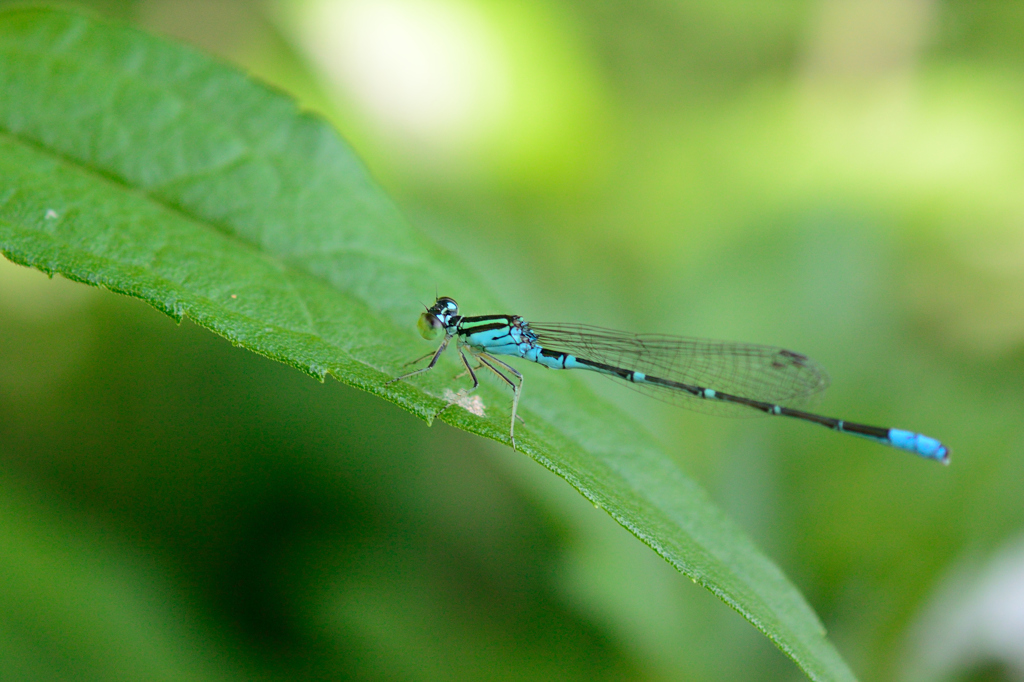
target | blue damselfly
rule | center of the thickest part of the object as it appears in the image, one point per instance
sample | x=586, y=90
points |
x=710, y=376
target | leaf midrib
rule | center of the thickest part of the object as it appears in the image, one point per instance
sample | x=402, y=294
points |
x=155, y=193
x=282, y=264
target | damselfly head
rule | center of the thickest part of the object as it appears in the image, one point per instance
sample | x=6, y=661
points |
x=444, y=309
x=437, y=317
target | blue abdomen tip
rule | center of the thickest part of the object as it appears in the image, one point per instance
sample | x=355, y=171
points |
x=919, y=444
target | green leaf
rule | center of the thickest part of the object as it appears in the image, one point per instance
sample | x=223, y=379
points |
x=151, y=170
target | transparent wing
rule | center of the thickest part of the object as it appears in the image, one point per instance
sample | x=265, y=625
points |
x=765, y=373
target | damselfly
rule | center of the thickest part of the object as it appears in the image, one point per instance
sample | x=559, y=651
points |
x=709, y=376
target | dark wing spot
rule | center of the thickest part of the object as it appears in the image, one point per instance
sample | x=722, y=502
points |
x=787, y=358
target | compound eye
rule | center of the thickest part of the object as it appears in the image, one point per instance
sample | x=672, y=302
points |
x=448, y=304
x=430, y=327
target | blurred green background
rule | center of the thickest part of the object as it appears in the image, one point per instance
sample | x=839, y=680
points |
x=841, y=178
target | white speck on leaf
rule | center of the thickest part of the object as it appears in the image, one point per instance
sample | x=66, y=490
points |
x=470, y=403
x=51, y=214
